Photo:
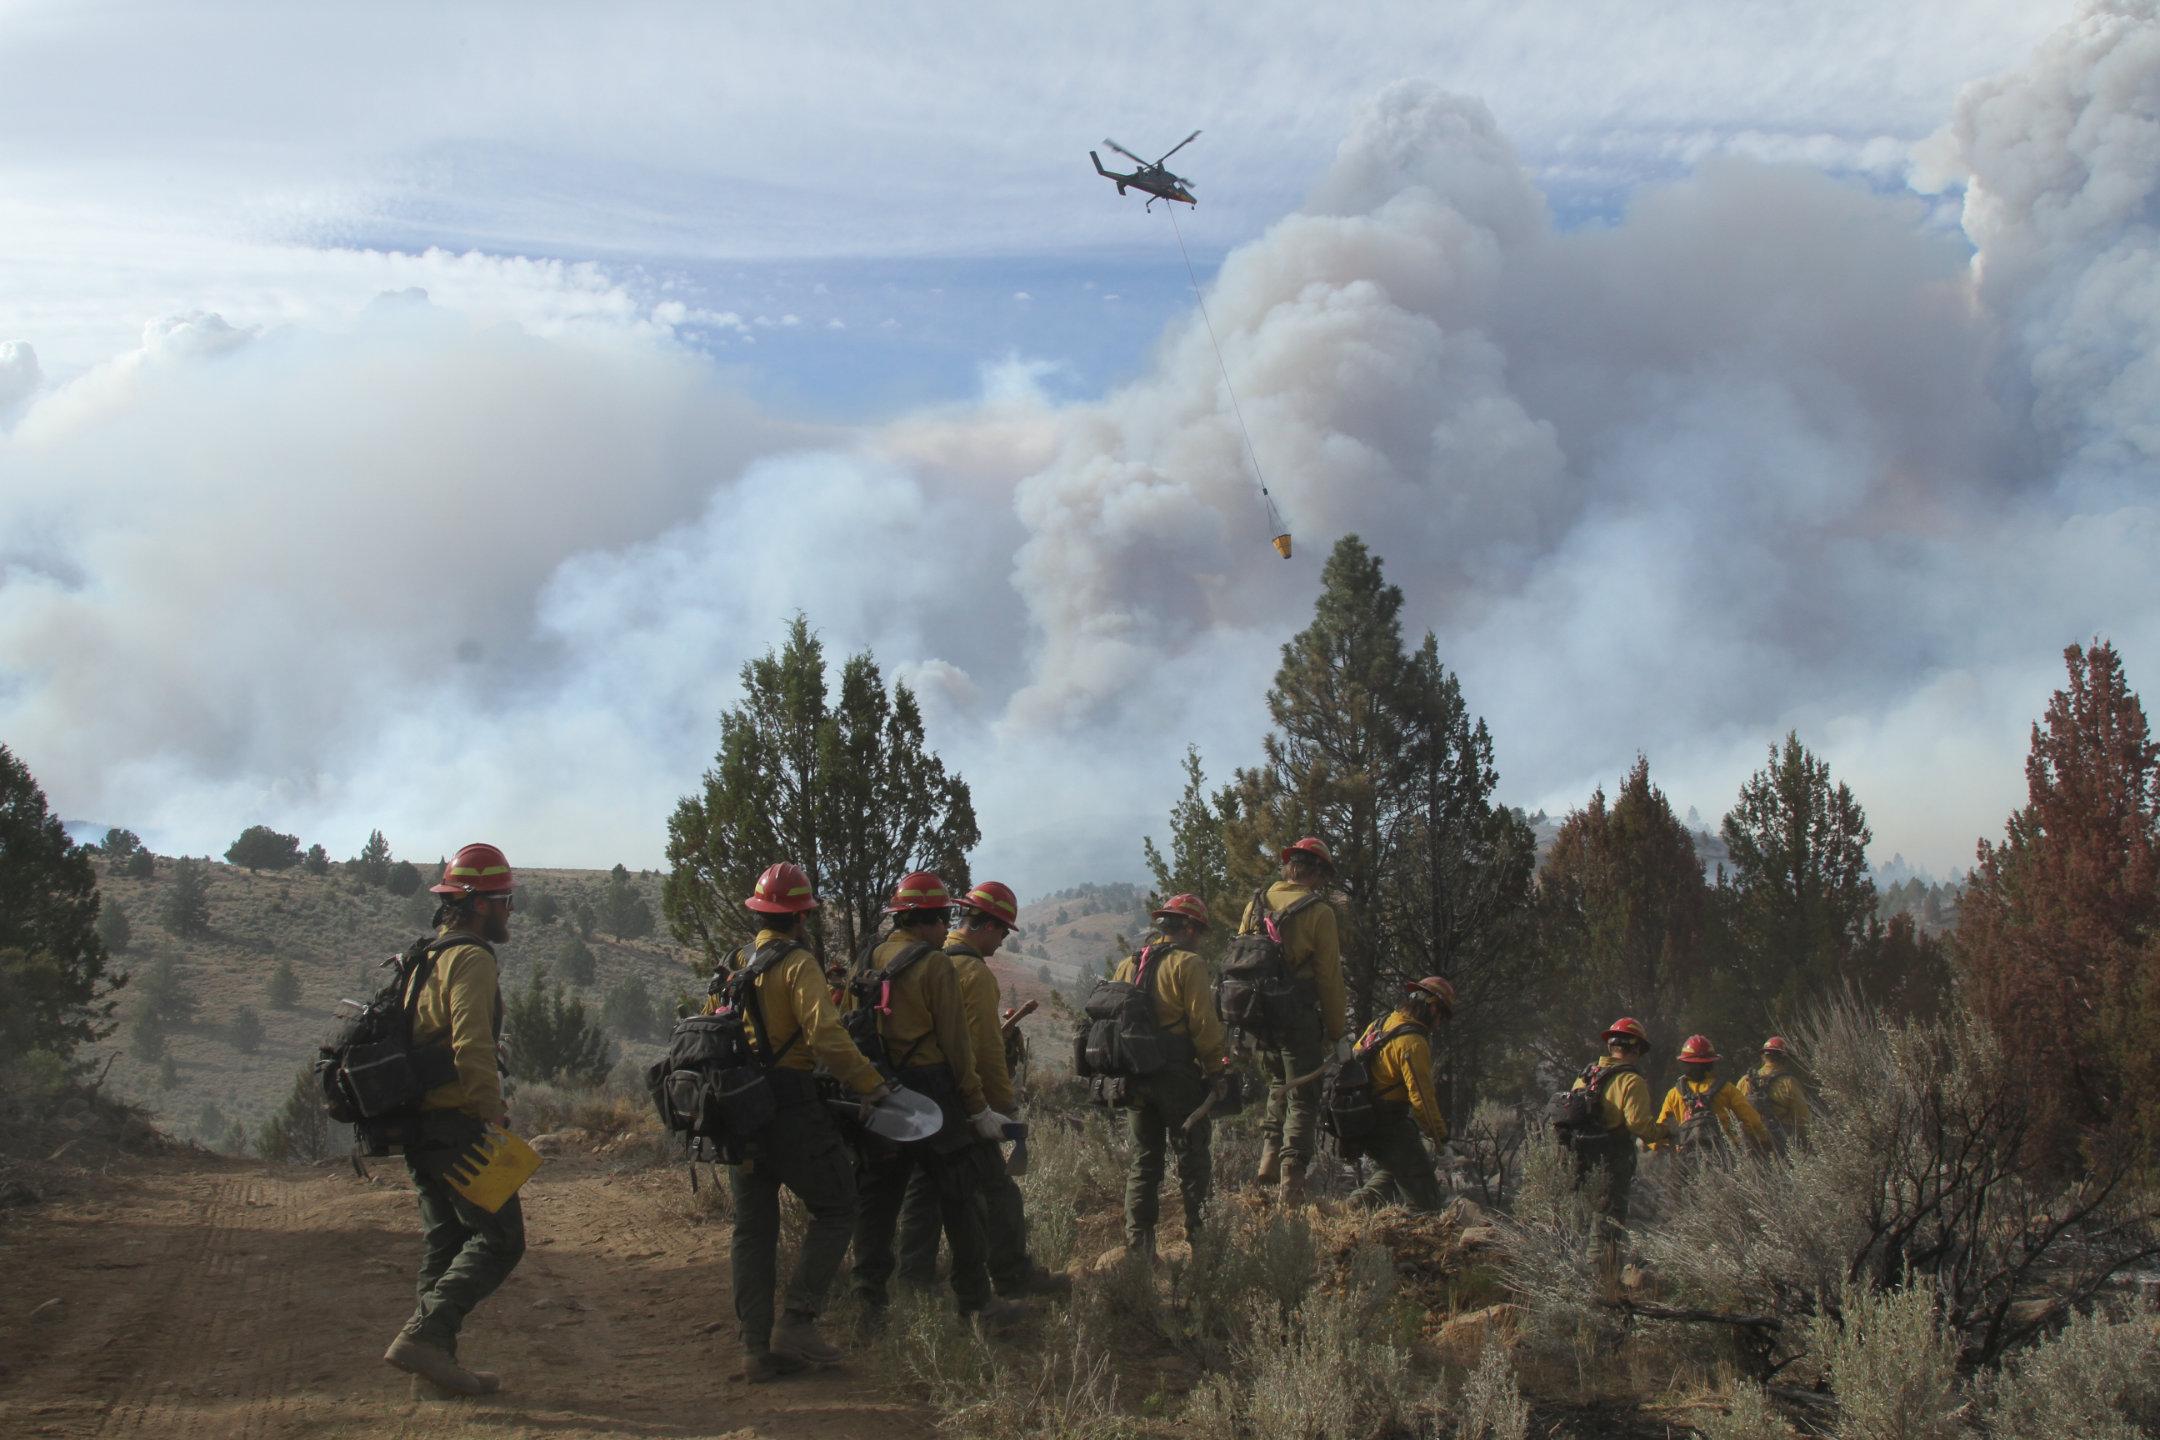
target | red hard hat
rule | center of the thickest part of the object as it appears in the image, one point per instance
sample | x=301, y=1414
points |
x=1190, y=907
x=919, y=891
x=1775, y=1045
x=996, y=901
x=476, y=870
x=1437, y=988
x=1698, y=1051
x=1311, y=845
x=784, y=889
x=1627, y=1029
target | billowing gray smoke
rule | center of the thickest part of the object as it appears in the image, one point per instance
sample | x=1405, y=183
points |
x=1773, y=451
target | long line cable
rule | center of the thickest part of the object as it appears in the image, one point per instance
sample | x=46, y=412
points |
x=1274, y=515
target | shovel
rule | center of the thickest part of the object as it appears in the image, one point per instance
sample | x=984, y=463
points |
x=902, y=1116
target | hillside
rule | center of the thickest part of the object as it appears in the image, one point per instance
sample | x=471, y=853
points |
x=334, y=933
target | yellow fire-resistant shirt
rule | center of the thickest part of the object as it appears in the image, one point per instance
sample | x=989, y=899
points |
x=1311, y=947
x=1184, y=999
x=986, y=1033
x=1624, y=1104
x=1402, y=1070
x=928, y=1023
x=461, y=1000
x=1777, y=1092
x=794, y=1001
x=1734, y=1114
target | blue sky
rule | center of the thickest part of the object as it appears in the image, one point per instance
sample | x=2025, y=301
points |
x=1642, y=340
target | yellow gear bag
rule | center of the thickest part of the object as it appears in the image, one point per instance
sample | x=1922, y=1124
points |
x=491, y=1169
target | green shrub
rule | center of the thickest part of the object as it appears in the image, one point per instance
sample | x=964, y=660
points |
x=1891, y=1364
x=2098, y=1380
x=283, y=988
x=1491, y=1406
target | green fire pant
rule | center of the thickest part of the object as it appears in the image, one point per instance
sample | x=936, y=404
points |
x=1161, y=1104
x=802, y=1151
x=954, y=1179
x=466, y=1254
x=1401, y=1168
x=1293, y=1116
x=1004, y=1223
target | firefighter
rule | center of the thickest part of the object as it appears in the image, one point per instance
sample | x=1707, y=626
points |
x=1168, y=1107
x=1624, y=1116
x=921, y=1026
x=986, y=916
x=1701, y=1110
x=789, y=1014
x=467, y=1253
x=1398, y=1056
x=1777, y=1094
x=1313, y=955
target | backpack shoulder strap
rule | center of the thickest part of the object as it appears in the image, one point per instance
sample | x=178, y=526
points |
x=1258, y=914
x=906, y=959
x=1148, y=976
x=742, y=991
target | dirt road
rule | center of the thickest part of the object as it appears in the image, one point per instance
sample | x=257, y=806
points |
x=203, y=1298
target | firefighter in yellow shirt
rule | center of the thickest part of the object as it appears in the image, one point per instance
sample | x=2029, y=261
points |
x=780, y=989
x=1624, y=1117
x=1312, y=951
x=1701, y=1110
x=1162, y=1103
x=456, y=1005
x=1777, y=1094
x=1398, y=1056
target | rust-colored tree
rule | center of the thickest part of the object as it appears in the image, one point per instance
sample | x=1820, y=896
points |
x=2057, y=930
x=1620, y=914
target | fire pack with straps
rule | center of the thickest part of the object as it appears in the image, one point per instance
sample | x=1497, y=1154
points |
x=1349, y=1109
x=873, y=992
x=1258, y=993
x=1123, y=1032
x=714, y=1086
x=1577, y=1115
x=368, y=1068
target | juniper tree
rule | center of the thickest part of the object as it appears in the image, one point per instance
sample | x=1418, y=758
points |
x=55, y=991
x=848, y=789
x=262, y=848
x=404, y=879
x=316, y=861
x=113, y=928
x=185, y=907
x=552, y=1037
x=283, y=989
x=373, y=862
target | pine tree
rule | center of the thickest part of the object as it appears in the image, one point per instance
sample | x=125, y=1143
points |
x=622, y=909
x=119, y=847
x=552, y=1038
x=316, y=861
x=630, y=1012
x=283, y=989
x=577, y=962
x=185, y=908
x=140, y=866
x=373, y=862
x=1199, y=860
x=851, y=792
x=55, y=992
x=262, y=848
x=113, y=928
x=1621, y=918
x=246, y=1031
x=2059, y=927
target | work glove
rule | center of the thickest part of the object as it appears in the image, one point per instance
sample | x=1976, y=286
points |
x=988, y=1124
x=875, y=1098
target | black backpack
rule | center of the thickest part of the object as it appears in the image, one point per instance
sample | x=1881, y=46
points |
x=1700, y=1128
x=1577, y=1116
x=1348, y=1110
x=368, y=1068
x=713, y=1087
x=872, y=990
x=1257, y=992
x=1124, y=1035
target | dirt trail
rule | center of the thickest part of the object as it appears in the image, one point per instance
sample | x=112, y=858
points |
x=207, y=1298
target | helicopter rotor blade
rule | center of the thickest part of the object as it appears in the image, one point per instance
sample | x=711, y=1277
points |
x=1123, y=151
x=1179, y=146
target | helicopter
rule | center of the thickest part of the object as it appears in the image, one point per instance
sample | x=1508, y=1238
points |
x=1150, y=179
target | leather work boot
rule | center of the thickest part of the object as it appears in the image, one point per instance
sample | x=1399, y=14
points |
x=1270, y=1162
x=1040, y=1282
x=762, y=1367
x=1293, y=1182
x=435, y=1365
x=796, y=1338
x=426, y=1389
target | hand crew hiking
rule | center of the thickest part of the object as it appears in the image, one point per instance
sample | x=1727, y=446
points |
x=987, y=914
x=906, y=1005
x=1702, y=1112
x=1296, y=914
x=1169, y=1105
x=1777, y=1094
x=466, y=1251
x=1395, y=1057
x=783, y=998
